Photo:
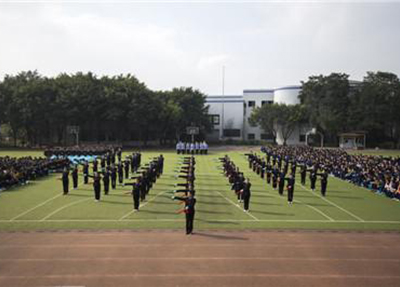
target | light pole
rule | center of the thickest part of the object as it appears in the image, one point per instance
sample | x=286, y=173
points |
x=223, y=101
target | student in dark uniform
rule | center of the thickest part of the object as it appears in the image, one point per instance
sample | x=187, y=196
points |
x=126, y=167
x=269, y=173
x=294, y=167
x=286, y=167
x=161, y=163
x=275, y=174
x=96, y=185
x=103, y=163
x=144, y=186
x=313, y=178
x=108, y=159
x=106, y=181
x=238, y=186
x=85, y=172
x=136, y=190
x=263, y=165
x=303, y=174
x=290, y=188
x=281, y=182
x=75, y=177
x=120, y=172
x=246, y=193
x=95, y=165
x=324, y=182
x=113, y=174
x=119, y=154
x=189, y=211
x=65, y=181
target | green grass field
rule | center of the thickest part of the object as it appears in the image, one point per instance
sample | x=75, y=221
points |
x=41, y=205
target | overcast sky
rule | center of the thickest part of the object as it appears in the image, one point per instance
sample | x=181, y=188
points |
x=165, y=45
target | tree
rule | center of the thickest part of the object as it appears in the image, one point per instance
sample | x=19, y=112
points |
x=169, y=116
x=289, y=117
x=326, y=100
x=193, y=110
x=376, y=107
x=278, y=118
x=266, y=117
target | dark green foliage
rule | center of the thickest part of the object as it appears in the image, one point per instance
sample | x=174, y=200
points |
x=284, y=118
x=38, y=109
x=334, y=106
x=376, y=107
x=326, y=99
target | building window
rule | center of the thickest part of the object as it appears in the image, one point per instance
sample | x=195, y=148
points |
x=214, y=119
x=268, y=137
x=302, y=138
x=252, y=104
x=251, y=136
x=266, y=103
x=231, y=133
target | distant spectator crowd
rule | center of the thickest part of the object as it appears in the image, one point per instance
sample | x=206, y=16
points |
x=19, y=171
x=377, y=173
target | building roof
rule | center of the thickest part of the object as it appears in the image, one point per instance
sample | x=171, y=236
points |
x=352, y=134
x=224, y=97
x=294, y=87
x=258, y=91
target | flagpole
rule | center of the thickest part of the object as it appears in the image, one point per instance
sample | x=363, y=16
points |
x=223, y=102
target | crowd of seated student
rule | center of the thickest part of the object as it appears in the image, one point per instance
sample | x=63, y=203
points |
x=377, y=173
x=82, y=150
x=19, y=171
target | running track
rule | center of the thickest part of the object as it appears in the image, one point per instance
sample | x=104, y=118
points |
x=207, y=258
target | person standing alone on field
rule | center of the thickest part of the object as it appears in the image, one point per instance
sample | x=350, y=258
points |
x=246, y=193
x=189, y=210
x=65, y=181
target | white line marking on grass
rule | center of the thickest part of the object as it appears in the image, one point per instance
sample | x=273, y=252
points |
x=33, y=208
x=216, y=220
x=39, y=205
x=310, y=206
x=298, y=201
x=334, y=204
x=248, y=213
x=317, y=210
x=142, y=205
x=63, y=207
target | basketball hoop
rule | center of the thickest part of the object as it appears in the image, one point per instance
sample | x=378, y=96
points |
x=192, y=130
x=74, y=130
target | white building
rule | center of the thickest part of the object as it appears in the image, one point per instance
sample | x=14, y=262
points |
x=230, y=114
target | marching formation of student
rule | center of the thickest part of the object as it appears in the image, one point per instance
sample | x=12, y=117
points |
x=191, y=148
x=278, y=172
x=303, y=156
x=240, y=186
x=144, y=182
x=187, y=172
